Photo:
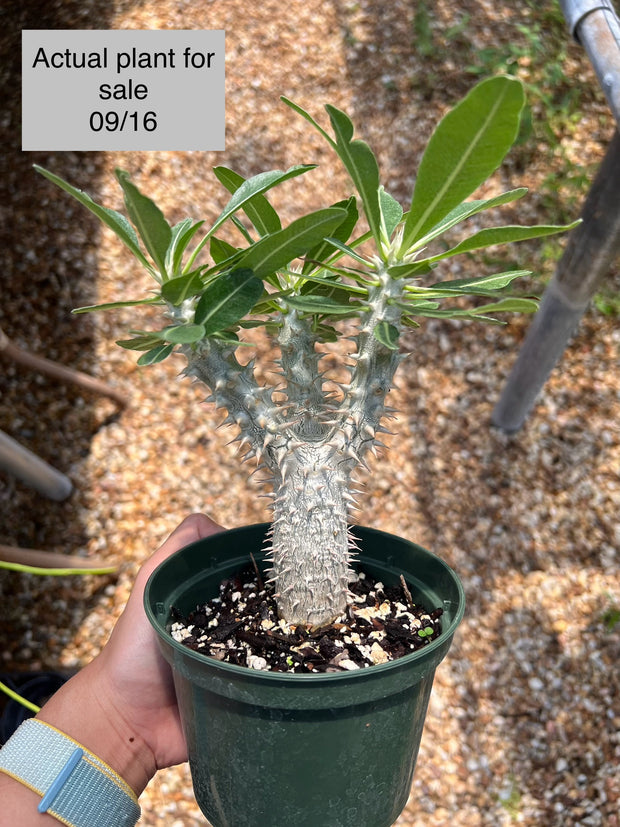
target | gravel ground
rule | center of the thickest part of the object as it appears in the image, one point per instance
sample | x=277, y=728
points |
x=524, y=722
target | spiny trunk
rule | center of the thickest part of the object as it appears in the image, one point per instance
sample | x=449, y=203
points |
x=310, y=445
x=311, y=565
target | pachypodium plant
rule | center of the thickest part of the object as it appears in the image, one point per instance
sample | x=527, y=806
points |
x=308, y=283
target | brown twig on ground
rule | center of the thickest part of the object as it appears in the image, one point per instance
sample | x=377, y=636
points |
x=54, y=369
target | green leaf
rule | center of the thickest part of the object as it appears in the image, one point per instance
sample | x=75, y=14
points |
x=323, y=305
x=468, y=145
x=335, y=291
x=140, y=342
x=277, y=250
x=348, y=250
x=326, y=285
x=410, y=269
x=391, y=213
x=341, y=233
x=115, y=305
x=387, y=335
x=421, y=304
x=361, y=164
x=511, y=304
x=257, y=185
x=300, y=111
x=508, y=305
x=249, y=191
x=157, y=354
x=177, y=232
x=183, y=334
x=227, y=299
x=497, y=281
x=325, y=333
x=178, y=289
x=258, y=209
x=148, y=219
x=221, y=250
x=182, y=234
x=250, y=188
x=502, y=235
x=469, y=208
x=454, y=313
x=112, y=219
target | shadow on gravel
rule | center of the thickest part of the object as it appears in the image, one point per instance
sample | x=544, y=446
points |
x=48, y=265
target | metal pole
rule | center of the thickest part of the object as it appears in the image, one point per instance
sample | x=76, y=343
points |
x=589, y=253
x=591, y=248
x=594, y=24
x=32, y=470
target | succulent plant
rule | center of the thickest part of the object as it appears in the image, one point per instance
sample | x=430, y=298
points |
x=308, y=283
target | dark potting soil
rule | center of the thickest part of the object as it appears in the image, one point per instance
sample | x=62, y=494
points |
x=241, y=626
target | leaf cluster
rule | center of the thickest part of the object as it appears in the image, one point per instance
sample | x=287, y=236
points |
x=314, y=266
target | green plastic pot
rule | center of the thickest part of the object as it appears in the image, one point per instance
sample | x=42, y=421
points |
x=282, y=750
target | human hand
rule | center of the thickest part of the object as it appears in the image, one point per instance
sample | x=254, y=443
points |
x=123, y=702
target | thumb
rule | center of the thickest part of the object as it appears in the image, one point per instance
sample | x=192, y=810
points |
x=195, y=527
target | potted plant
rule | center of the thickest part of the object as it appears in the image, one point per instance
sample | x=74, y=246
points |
x=271, y=748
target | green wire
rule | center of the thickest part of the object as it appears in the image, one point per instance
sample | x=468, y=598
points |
x=32, y=707
x=54, y=572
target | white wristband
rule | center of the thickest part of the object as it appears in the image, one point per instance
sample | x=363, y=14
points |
x=76, y=787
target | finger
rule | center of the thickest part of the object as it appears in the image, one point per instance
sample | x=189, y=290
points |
x=193, y=528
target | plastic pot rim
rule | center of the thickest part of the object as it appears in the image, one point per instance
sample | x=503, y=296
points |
x=425, y=653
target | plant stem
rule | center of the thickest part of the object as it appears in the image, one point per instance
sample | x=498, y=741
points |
x=310, y=536
x=374, y=366
x=310, y=447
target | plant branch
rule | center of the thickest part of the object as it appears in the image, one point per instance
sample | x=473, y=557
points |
x=374, y=366
x=234, y=388
x=299, y=362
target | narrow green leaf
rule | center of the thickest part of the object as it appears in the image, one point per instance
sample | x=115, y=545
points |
x=258, y=209
x=387, y=335
x=148, y=219
x=275, y=251
x=182, y=234
x=227, y=299
x=183, y=334
x=157, y=354
x=421, y=304
x=455, y=313
x=348, y=250
x=497, y=281
x=361, y=165
x=342, y=233
x=221, y=250
x=139, y=343
x=410, y=269
x=177, y=232
x=468, y=209
x=115, y=305
x=325, y=333
x=112, y=219
x=247, y=191
x=238, y=223
x=391, y=213
x=501, y=235
x=508, y=305
x=330, y=283
x=468, y=145
x=300, y=111
x=180, y=288
x=334, y=292
x=361, y=277
x=324, y=305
